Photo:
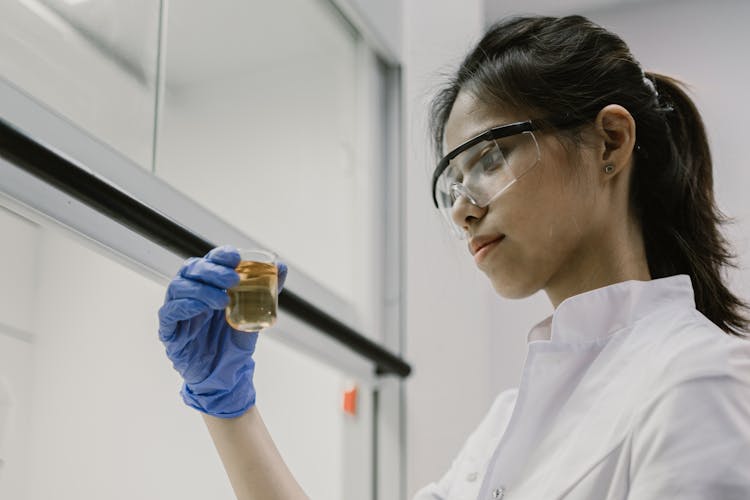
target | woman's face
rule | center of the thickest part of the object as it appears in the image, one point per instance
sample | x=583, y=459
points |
x=551, y=216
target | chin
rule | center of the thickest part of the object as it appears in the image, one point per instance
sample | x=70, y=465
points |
x=513, y=287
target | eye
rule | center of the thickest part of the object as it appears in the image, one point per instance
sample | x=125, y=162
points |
x=491, y=159
x=453, y=196
x=453, y=176
x=453, y=193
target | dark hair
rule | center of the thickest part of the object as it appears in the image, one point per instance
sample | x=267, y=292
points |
x=570, y=68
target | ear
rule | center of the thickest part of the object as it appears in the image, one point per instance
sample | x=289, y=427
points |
x=615, y=137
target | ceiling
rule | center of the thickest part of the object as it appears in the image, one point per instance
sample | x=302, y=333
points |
x=496, y=9
x=126, y=32
x=206, y=39
x=203, y=40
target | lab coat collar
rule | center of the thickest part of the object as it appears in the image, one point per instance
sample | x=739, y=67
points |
x=600, y=312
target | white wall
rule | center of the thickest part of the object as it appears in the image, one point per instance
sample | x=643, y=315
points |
x=380, y=22
x=94, y=404
x=448, y=321
x=17, y=266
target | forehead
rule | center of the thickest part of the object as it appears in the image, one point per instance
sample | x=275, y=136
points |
x=469, y=117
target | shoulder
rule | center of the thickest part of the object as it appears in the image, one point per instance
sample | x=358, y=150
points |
x=677, y=369
x=685, y=345
x=698, y=378
x=693, y=441
x=690, y=435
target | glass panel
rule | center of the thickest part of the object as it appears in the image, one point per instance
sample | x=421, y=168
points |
x=89, y=403
x=258, y=123
x=92, y=61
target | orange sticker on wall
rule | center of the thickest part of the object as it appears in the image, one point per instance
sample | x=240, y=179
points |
x=350, y=401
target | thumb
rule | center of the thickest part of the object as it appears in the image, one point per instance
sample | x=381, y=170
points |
x=282, y=271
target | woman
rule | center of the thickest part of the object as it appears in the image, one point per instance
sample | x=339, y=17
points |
x=567, y=169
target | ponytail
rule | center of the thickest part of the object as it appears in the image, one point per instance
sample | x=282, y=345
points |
x=673, y=192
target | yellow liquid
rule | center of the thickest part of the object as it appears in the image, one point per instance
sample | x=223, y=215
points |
x=252, y=303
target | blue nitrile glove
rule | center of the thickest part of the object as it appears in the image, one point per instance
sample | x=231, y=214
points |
x=214, y=359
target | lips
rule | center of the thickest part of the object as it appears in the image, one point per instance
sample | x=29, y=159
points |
x=478, y=242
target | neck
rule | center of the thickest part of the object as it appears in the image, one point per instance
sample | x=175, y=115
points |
x=613, y=258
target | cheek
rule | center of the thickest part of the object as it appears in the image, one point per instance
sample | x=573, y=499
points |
x=558, y=218
x=548, y=233
x=542, y=211
x=559, y=204
x=545, y=226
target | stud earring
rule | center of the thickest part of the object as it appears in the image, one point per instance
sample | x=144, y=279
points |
x=609, y=168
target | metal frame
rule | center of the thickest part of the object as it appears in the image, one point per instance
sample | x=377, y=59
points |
x=390, y=401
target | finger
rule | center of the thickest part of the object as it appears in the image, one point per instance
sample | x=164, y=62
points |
x=186, y=264
x=225, y=255
x=245, y=340
x=186, y=341
x=184, y=288
x=207, y=272
x=177, y=310
x=282, y=272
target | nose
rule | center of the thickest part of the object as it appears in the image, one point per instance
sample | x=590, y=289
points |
x=463, y=211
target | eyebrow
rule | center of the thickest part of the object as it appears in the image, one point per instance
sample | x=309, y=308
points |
x=492, y=124
x=477, y=131
x=462, y=168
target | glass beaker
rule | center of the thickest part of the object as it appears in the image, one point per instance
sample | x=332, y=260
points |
x=254, y=300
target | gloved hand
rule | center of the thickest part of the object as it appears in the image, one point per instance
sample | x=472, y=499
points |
x=214, y=359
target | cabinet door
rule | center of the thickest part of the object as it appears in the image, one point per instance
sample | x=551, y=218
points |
x=90, y=405
x=94, y=62
x=261, y=122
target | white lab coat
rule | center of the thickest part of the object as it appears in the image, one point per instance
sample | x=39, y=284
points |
x=627, y=392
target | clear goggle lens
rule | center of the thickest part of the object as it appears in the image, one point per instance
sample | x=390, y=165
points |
x=481, y=173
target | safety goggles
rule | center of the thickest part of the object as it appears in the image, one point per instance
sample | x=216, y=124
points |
x=482, y=168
